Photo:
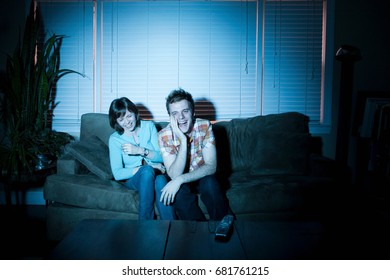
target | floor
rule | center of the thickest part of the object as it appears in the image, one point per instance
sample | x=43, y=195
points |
x=361, y=231
x=23, y=232
x=358, y=231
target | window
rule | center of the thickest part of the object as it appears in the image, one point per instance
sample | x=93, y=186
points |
x=75, y=94
x=237, y=58
x=292, y=57
x=152, y=47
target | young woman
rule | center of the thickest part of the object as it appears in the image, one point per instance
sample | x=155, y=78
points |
x=135, y=157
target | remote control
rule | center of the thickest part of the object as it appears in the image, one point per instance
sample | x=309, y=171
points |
x=224, y=228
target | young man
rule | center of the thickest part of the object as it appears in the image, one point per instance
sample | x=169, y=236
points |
x=188, y=149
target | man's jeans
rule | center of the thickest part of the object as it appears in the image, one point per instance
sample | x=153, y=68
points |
x=186, y=200
x=166, y=212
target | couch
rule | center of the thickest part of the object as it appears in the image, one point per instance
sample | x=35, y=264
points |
x=270, y=167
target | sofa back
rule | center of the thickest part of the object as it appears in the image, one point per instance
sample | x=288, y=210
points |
x=95, y=124
x=269, y=144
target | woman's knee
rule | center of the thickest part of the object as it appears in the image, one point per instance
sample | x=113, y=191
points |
x=147, y=171
x=161, y=181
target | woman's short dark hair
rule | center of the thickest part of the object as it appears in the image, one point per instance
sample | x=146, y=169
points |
x=118, y=109
x=177, y=95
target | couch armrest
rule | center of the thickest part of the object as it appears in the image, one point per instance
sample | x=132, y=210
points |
x=67, y=164
x=321, y=166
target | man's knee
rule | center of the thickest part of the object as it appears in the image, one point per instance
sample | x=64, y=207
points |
x=209, y=184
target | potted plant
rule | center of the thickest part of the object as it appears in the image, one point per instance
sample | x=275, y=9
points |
x=29, y=86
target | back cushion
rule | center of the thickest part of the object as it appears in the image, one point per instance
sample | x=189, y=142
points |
x=95, y=124
x=224, y=164
x=285, y=122
x=93, y=154
x=160, y=125
x=242, y=142
x=281, y=153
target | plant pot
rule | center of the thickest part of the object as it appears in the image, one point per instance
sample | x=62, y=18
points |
x=42, y=162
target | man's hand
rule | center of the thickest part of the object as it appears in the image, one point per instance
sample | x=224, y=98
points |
x=168, y=193
x=130, y=149
x=176, y=129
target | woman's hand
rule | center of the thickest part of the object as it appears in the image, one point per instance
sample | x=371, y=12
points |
x=158, y=166
x=131, y=150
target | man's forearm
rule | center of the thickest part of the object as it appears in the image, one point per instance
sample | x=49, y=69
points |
x=197, y=174
x=177, y=167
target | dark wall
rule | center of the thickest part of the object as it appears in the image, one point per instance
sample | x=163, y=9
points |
x=12, y=16
x=364, y=24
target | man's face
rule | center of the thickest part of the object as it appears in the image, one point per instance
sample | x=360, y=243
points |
x=182, y=112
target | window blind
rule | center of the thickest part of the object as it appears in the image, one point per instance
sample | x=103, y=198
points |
x=74, y=20
x=237, y=58
x=207, y=48
x=292, y=55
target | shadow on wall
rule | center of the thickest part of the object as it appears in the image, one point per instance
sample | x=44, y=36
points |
x=204, y=109
x=144, y=112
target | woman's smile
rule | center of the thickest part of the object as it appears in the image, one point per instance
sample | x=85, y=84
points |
x=128, y=121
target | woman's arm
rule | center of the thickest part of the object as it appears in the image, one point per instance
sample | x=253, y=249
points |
x=116, y=160
x=150, y=142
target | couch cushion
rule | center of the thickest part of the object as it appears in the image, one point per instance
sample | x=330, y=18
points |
x=96, y=124
x=238, y=140
x=281, y=153
x=94, y=154
x=160, y=125
x=234, y=142
x=89, y=191
x=279, y=193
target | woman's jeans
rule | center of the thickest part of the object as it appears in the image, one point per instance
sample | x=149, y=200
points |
x=144, y=181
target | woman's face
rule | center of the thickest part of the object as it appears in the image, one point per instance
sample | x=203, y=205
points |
x=128, y=121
